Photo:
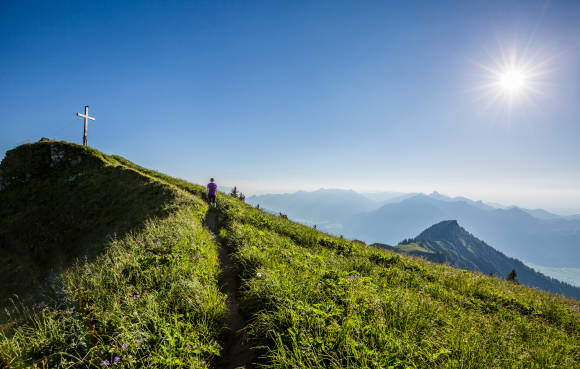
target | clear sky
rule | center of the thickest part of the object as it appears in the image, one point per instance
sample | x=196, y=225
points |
x=284, y=95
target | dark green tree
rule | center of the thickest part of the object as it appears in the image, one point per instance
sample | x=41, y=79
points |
x=234, y=192
x=512, y=277
x=242, y=197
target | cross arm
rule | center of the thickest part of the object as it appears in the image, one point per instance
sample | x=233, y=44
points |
x=85, y=116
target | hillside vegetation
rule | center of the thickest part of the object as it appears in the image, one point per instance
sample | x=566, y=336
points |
x=148, y=297
x=63, y=201
x=151, y=298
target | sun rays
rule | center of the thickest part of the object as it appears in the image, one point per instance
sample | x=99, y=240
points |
x=513, y=79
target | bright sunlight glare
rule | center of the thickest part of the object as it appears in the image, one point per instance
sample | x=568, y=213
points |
x=512, y=80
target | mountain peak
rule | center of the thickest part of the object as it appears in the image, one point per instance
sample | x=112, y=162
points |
x=441, y=231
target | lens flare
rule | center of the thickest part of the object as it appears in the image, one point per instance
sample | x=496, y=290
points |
x=512, y=81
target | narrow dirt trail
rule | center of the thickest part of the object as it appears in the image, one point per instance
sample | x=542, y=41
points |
x=236, y=353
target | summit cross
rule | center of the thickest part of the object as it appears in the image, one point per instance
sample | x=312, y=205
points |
x=86, y=117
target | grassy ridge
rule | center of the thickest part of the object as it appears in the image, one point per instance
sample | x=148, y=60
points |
x=150, y=298
x=319, y=302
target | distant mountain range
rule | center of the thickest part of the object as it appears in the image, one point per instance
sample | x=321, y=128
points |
x=448, y=243
x=536, y=236
x=328, y=209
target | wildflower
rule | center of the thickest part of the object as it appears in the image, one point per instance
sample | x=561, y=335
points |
x=40, y=304
x=117, y=359
x=139, y=341
x=258, y=274
x=124, y=345
x=188, y=345
x=93, y=326
x=106, y=362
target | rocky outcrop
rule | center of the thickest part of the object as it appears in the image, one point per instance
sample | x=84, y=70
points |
x=31, y=160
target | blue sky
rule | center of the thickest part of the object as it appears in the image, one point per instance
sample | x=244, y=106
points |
x=278, y=96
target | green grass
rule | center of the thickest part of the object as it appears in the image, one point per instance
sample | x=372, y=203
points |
x=413, y=247
x=56, y=212
x=311, y=300
x=149, y=296
x=158, y=286
x=321, y=302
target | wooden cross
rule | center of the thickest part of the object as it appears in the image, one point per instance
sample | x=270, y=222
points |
x=86, y=116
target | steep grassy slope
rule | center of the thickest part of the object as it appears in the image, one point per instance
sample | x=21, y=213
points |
x=446, y=242
x=61, y=201
x=148, y=298
x=312, y=300
x=319, y=302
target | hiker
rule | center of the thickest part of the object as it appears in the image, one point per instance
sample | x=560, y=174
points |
x=212, y=192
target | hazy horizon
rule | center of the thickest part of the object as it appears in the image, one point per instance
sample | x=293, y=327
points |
x=564, y=211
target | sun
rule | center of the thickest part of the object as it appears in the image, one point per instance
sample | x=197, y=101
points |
x=512, y=81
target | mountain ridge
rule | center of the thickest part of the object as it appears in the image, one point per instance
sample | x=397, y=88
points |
x=522, y=233
x=449, y=243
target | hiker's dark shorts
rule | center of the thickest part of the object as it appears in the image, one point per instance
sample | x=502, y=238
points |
x=211, y=198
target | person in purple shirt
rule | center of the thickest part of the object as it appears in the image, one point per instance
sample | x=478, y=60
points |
x=212, y=192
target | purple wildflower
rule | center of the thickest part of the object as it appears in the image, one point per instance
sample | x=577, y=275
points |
x=106, y=362
x=188, y=345
x=117, y=359
x=124, y=345
x=139, y=341
x=93, y=325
